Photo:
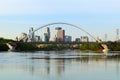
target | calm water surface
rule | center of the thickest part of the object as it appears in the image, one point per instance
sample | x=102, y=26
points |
x=59, y=65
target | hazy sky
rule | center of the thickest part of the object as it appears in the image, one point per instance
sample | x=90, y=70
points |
x=99, y=17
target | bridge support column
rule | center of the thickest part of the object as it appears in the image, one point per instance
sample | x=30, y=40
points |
x=11, y=46
x=105, y=50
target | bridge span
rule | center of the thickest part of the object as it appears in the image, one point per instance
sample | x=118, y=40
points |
x=60, y=42
x=97, y=40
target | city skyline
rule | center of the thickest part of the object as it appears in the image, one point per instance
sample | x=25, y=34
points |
x=99, y=17
x=58, y=35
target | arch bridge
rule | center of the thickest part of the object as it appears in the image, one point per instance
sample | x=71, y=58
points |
x=72, y=25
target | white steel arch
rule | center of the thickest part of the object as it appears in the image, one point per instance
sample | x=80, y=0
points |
x=65, y=24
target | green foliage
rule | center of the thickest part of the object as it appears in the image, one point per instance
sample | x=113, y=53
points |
x=93, y=47
x=115, y=47
x=3, y=47
x=2, y=40
x=26, y=47
x=84, y=47
x=53, y=47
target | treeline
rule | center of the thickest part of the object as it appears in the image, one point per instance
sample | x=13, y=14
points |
x=93, y=47
x=32, y=47
x=115, y=46
x=3, y=47
x=2, y=40
x=112, y=46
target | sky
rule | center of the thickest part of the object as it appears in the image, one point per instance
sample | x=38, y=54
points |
x=98, y=17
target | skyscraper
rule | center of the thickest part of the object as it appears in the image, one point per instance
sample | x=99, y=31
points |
x=31, y=34
x=68, y=38
x=48, y=32
x=60, y=34
x=47, y=35
x=84, y=38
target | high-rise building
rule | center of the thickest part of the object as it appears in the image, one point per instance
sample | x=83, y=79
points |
x=68, y=38
x=48, y=32
x=37, y=38
x=77, y=40
x=31, y=34
x=22, y=37
x=84, y=39
x=60, y=34
x=52, y=39
x=47, y=35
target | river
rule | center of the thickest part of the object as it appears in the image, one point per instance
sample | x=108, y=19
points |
x=59, y=65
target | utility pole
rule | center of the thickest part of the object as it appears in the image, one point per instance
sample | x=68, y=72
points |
x=106, y=37
x=117, y=34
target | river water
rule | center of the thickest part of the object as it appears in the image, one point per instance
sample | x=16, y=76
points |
x=59, y=65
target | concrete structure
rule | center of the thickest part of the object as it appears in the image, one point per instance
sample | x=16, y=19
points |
x=68, y=38
x=59, y=34
x=11, y=46
x=31, y=35
x=84, y=39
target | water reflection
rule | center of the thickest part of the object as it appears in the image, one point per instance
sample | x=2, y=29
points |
x=59, y=65
x=57, y=62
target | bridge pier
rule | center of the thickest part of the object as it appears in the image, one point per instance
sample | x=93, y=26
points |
x=105, y=48
x=11, y=46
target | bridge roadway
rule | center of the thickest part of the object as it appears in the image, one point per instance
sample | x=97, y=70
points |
x=59, y=42
x=62, y=42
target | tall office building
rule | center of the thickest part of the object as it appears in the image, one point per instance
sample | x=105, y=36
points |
x=37, y=38
x=48, y=31
x=60, y=34
x=68, y=38
x=84, y=39
x=31, y=34
x=77, y=40
x=47, y=35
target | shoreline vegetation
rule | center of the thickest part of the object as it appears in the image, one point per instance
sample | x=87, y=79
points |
x=47, y=47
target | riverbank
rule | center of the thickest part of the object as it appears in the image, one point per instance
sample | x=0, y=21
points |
x=113, y=46
x=49, y=47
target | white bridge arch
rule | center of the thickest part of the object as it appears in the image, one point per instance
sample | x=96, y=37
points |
x=65, y=24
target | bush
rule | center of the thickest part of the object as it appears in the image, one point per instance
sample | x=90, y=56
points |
x=26, y=47
x=3, y=47
x=93, y=47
